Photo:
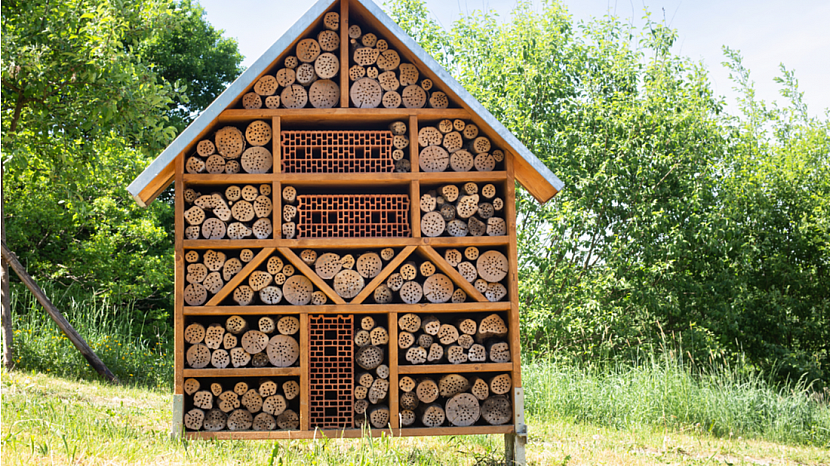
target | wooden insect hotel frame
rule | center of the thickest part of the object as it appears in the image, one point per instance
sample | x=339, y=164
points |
x=346, y=259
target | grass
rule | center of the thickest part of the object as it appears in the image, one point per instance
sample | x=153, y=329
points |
x=40, y=345
x=663, y=391
x=53, y=420
x=662, y=410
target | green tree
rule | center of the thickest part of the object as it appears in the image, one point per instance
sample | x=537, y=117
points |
x=196, y=56
x=86, y=106
x=657, y=231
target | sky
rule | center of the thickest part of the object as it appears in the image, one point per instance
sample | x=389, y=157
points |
x=766, y=32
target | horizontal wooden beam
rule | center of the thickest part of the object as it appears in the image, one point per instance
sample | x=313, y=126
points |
x=345, y=243
x=352, y=433
x=347, y=308
x=305, y=115
x=244, y=372
x=344, y=179
x=454, y=368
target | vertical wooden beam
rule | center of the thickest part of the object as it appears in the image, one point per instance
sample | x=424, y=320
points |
x=276, y=128
x=344, y=53
x=276, y=188
x=413, y=143
x=276, y=201
x=177, y=423
x=415, y=207
x=178, y=308
x=514, y=444
x=305, y=393
x=513, y=275
x=393, y=370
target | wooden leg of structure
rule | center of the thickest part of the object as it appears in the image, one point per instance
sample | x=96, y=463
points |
x=177, y=424
x=514, y=444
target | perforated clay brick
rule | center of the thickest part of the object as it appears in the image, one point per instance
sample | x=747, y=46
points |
x=331, y=371
x=353, y=216
x=337, y=152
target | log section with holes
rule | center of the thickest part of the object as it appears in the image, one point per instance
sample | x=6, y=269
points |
x=241, y=342
x=235, y=212
x=446, y=339
x=242, y=404
x=460, y=210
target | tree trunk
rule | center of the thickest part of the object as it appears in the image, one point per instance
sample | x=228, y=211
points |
x=56, y=315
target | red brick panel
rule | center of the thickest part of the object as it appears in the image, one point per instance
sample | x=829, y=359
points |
x=337, y=152
x=353, y=216
x=331, y=371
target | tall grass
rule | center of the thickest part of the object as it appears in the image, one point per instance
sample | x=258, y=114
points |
x=141, y=357
x=664, y=390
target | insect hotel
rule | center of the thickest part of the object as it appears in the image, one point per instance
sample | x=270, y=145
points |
x=346, y=244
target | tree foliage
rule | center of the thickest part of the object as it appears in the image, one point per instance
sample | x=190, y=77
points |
x=89, y=97
x=677, y=218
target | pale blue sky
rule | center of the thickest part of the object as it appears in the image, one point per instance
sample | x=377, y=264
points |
x=767, y=33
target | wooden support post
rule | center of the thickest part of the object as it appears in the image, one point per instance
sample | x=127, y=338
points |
x=57, y=316
x=514, y=444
